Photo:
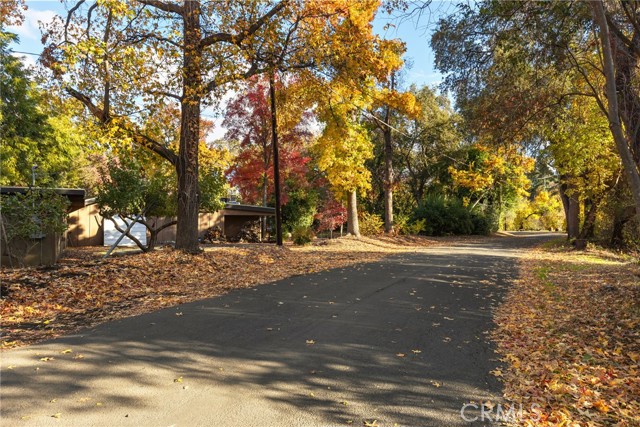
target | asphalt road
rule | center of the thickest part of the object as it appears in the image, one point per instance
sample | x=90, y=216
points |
x=402, y=341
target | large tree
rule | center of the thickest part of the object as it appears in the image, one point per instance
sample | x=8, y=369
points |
x=36, y=130
x=523, y=62
x=390, y=103
x=126, y=59
x=425, y=144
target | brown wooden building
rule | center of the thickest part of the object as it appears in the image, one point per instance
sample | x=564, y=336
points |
x=86, y=225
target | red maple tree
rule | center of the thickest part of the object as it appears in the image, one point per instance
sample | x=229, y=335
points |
x=248, y=121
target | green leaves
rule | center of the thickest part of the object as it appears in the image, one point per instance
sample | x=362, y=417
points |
x=38, y=211
x=30, y=216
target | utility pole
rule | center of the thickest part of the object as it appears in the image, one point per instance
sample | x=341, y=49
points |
x=276, y=161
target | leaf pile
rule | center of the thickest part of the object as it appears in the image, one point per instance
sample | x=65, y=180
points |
x=84, y=290
x=569, y=331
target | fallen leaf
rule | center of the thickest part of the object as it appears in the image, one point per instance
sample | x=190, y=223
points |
x=601, y=406
x=497, y=373
x=67, y=351
x=46, y=359
x=178, y=380
x=56, y=415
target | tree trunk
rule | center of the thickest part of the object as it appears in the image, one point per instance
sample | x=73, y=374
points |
x=571, y=209
x=573, y=218
x=589, y=224
x=613, y=112
x=187, y=164
x=353, y=227
x=153, y=239
x=621, y=217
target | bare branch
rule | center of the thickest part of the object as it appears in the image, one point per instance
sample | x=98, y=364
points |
x=69, y=15
x=167, y=94
x=239, y=38
x=167, y=7
x=129, y=235
x=86, y=101
x=89, y=14
x=167, y=225
x=156, y=147
x=141, y=37
x=621, y=36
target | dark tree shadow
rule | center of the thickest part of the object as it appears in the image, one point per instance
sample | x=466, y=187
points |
x=402, y=341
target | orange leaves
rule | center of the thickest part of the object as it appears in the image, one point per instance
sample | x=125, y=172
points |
x=568, y=346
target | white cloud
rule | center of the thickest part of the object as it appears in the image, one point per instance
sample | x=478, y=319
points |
x=30, y=28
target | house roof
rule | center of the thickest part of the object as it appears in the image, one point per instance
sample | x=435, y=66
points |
x=262, y=210
x=75, y=195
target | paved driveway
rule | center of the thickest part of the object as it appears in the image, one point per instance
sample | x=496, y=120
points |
x=402, y=341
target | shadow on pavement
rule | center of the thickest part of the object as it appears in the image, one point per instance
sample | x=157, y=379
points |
x=402, y=341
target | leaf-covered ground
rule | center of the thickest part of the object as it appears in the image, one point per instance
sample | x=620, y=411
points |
x=84, y=289
x=569, y=334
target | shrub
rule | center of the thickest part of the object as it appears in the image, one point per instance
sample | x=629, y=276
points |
x=481, y=223
x=417, y=227
x=299, y=210
x=370, y=224
x=26, y=218
x=441, y=217
x=404, y=226
x=302, y=235
x=401, y=224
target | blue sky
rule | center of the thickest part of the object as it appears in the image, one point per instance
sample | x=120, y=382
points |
x=415, y=33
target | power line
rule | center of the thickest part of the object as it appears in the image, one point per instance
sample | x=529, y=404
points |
x=25, y=53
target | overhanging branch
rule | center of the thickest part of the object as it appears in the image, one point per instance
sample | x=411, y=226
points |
x=167, y=7
x=240, y=37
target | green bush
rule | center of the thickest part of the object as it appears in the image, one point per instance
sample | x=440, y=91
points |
x=26, y=218
x=370, y=224
x=417, y=227
x=481, y=223
x=302, y=235
x=401, y=224
x=404, y=226
x=299, y=210
x=446, y=217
